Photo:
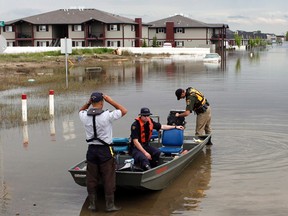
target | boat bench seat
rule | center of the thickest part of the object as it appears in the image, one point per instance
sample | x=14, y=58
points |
x=155, y=134
x=172, y=141
x=120, y=144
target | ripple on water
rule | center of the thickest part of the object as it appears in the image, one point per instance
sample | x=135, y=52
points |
x=247, y=152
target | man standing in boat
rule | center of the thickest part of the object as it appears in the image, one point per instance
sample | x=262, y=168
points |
x=100, y=160
x=197, y=103
x=143, y=153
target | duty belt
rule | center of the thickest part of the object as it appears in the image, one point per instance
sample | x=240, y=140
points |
x=202, y=109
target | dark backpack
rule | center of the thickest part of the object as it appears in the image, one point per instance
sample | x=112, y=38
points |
x=173, y=120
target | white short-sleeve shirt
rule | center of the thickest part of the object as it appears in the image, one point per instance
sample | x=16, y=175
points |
x=103, y=125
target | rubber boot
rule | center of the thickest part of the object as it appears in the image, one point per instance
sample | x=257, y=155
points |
x=110, y=206
x=92, y=201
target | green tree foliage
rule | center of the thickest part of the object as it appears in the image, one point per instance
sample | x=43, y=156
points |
x=237, y=39
x=144, y=43
x=154, y=43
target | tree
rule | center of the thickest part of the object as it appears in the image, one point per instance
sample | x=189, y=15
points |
x=144, y=43
x=237, y=39
x=154, y=43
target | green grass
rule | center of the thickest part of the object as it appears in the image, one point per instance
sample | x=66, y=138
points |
x=42, y=56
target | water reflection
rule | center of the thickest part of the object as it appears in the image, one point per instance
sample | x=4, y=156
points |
x=184, y=195
x=68, y=130
x=25, y=135
x=52, y=129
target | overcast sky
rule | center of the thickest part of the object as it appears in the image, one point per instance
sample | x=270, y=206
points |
x=268, y=16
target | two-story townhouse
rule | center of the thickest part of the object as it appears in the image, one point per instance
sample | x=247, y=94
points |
x=85, y=27
x=182, y=31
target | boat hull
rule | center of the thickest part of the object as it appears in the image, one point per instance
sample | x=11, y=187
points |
x=157, y=178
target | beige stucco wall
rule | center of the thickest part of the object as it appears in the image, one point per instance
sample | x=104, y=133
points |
x=75, y=34
x=8, y=35
x=43, y=35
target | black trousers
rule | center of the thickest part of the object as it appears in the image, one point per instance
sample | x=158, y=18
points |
x=100, y=169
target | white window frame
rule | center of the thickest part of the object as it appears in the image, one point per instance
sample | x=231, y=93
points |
x=161, y=30
x=43, y=43
x=113, y=43
x=179, y=30
x=42, y=28
x=133, y=28
x=78, y=43
x=78, y=28
x=10, y=43
x=179, y=43
x=8, y=28
x=113, y=27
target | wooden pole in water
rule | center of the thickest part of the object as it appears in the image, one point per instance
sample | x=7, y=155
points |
x=24, y=119
x=51, y=112
x=51, y=103
x=24, y=107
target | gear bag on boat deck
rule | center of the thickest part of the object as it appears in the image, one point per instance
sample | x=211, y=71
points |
x=173, y=120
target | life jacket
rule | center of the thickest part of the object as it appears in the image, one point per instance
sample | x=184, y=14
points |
x=200, y=97
x=142, y=130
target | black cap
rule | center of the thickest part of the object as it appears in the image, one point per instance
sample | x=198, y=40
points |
x=96, y=97
x=145, y=112
x=178, y=93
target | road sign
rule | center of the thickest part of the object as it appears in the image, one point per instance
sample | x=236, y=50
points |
x=2, y=23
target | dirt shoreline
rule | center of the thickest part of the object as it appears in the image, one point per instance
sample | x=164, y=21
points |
x=53, y=62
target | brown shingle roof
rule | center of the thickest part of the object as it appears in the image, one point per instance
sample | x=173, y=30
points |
x=74, y=16
x=182, y=21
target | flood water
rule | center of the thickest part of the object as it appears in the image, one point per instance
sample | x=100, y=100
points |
x=244, y=173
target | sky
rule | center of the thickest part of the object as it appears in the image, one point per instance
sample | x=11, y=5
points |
x=268, y=16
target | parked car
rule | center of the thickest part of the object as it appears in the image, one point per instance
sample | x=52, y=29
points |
x=212, y=57
x=167, y=45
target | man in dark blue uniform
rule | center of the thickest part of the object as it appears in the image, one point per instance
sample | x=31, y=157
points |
x=143, y=153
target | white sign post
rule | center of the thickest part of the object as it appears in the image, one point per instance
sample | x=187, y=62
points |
x=3, y=44
x=66, y=48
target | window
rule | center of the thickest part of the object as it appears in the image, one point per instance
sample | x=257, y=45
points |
x=8, y=29
x=10, y=44
x=42, y=28
x=113, y=27
x=42, y=43
x=160, y=30
x=132, y=27
x=159, y=43
x=77, y=28
x=77, y=43
x=113, y=43
x=179, y=43
x=179, y=30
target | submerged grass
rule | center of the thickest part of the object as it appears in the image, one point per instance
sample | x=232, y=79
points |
x=37, y=81
x=37, y=96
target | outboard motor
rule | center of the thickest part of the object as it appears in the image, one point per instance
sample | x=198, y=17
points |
x=173, y=120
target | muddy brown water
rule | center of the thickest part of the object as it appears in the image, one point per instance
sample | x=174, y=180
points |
x=244, y=173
